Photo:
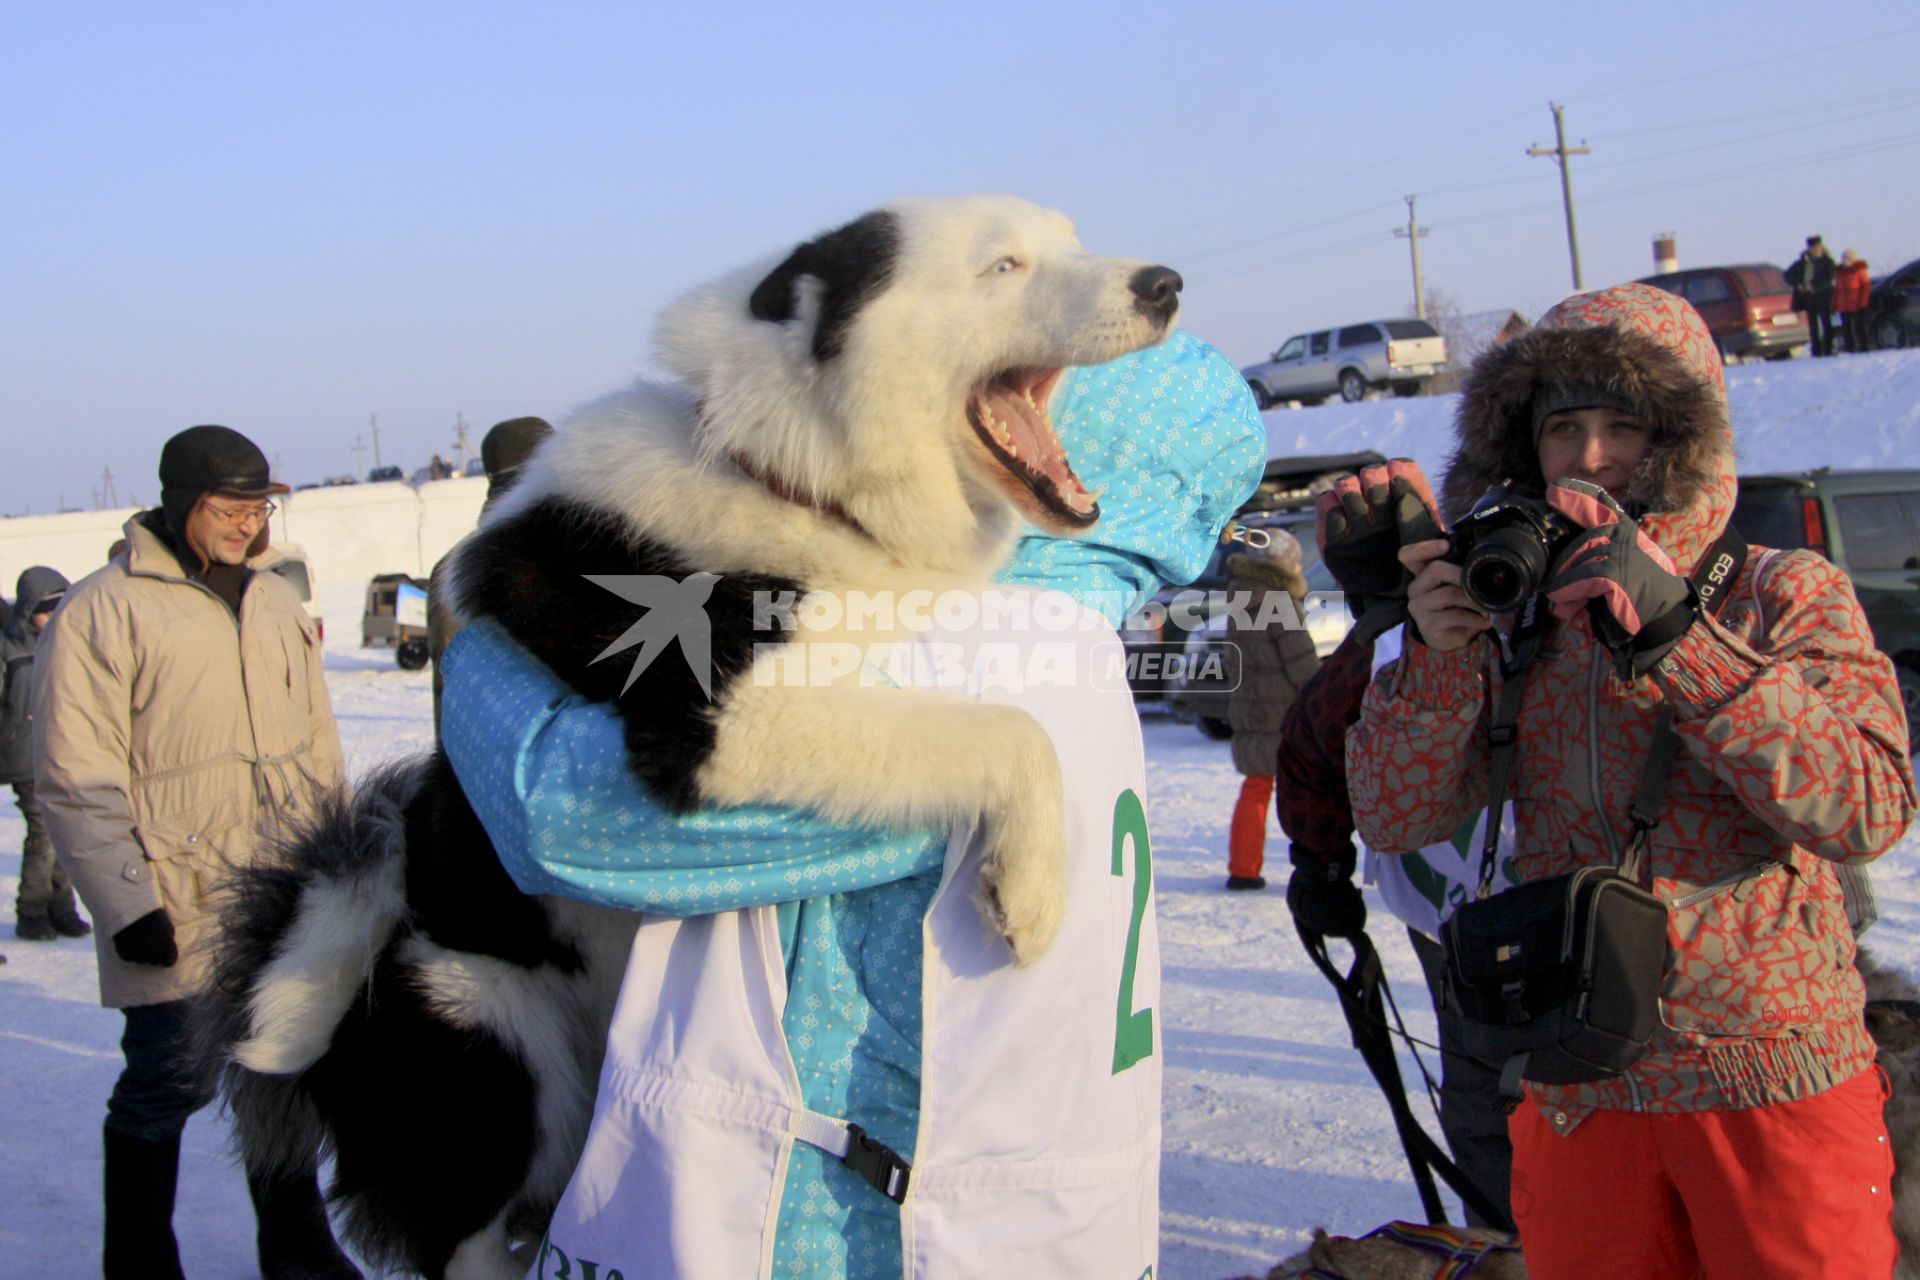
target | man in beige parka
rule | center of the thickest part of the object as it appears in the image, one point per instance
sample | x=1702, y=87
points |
x=179, y=717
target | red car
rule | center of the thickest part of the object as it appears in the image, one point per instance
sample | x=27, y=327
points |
x=1749, y=309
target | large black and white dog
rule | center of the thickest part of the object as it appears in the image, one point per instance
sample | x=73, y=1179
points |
x=868, y=414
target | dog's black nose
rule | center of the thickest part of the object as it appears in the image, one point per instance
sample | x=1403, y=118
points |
x=1157, y=290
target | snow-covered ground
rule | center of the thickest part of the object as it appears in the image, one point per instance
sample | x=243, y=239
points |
x=1272, y=1125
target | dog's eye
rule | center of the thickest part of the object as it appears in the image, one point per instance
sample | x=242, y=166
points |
x=1006, y=264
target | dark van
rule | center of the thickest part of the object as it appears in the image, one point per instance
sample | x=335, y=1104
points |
x=1748, y=309
x=1868, y=523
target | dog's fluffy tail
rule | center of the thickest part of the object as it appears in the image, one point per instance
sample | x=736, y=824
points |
x=299, y=936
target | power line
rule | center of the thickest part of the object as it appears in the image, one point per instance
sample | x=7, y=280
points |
x=1426, y=148
x=1760, y=113
x=1799, y=161
x=1697, y=74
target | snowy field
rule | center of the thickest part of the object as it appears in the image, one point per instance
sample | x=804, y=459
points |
x=1272, y=1125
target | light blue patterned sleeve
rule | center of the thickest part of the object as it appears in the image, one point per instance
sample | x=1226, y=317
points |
x=546, y=772
x=1171, y=440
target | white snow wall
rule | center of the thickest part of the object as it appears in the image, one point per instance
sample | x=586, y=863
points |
x=349, y=533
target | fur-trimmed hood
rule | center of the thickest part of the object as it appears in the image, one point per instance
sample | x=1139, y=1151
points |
x=1634, y=339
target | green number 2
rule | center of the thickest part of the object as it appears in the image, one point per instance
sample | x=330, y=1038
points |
x=1133, y=1032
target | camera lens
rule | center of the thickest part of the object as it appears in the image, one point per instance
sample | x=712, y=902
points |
x=1504, y=568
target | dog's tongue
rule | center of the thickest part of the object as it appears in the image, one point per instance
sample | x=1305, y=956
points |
x=1016, y=418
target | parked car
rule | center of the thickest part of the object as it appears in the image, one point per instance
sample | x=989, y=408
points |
x=1748, y=309
x=1893, y=310
x=1868, y=523
x=294, y=566
x=1205, y=681
x=1349, y=362
x=1155, y=638
x=395, y=610
x=379, y=474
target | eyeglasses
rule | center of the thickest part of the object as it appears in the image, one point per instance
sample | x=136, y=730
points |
x=240, y=515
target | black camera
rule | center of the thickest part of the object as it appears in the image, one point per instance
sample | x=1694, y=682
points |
x=1505, y=545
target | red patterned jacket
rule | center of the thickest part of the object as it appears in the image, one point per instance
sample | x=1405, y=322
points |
x=1794, y=743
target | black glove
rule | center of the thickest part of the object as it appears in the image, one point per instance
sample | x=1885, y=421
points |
x=1323, y=897
x=1362, y=522
x=148, y=941
x=1640, y=607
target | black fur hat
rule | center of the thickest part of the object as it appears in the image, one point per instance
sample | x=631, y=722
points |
x=210, y=459
x=506, y=448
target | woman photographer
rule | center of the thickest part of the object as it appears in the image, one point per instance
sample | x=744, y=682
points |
x=1748, y=1141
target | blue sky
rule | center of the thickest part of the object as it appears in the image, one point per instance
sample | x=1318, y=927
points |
x=289, y=218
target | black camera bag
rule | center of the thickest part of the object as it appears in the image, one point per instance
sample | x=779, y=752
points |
x=1562, y=974
x=1558, y=980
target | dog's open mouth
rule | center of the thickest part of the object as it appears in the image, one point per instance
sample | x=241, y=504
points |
x=1009, y=412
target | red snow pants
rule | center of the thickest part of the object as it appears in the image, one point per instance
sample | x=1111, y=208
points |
x=1247, y=837
x=1795, y=1191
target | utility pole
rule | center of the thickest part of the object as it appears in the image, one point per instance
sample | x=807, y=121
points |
x=358, y=449
x=1560, y=151
x=1412, y=233
x=373, y=425
x=108, y=498
x=460, y=446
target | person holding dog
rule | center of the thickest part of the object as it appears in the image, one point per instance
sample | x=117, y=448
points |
x=1748, y=1138
x=179, y=718
x=1277, y=659
x=863, y=929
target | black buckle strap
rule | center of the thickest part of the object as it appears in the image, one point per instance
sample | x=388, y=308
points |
x=882, y=1168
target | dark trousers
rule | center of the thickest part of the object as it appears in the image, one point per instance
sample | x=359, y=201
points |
x=1820, y=322
x=158, y=1089
x=1473, y=1116
x=44, y=887
x=1853, y=328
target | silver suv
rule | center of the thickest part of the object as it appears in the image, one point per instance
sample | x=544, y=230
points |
x=1349, y=362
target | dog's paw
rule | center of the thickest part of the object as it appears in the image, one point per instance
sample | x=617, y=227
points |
x=1023, y=873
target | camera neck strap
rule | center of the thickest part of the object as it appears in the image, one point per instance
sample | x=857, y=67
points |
x=1712, y=581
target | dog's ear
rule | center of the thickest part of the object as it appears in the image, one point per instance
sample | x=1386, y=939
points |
x=852, y=264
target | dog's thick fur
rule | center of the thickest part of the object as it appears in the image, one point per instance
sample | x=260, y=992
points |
x=865, y=414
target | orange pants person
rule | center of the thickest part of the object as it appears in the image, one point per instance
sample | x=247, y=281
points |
x=1793, y=1191
x=1247, y=837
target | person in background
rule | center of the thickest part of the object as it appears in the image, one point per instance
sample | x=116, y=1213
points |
x=503, y=451
x=1852, y=287
x=179, y=719
x=862, y=953
x=1277, y=658
x=1749, y=1141
x=43, y=909
x=1363, y=521
x=1811, y=276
